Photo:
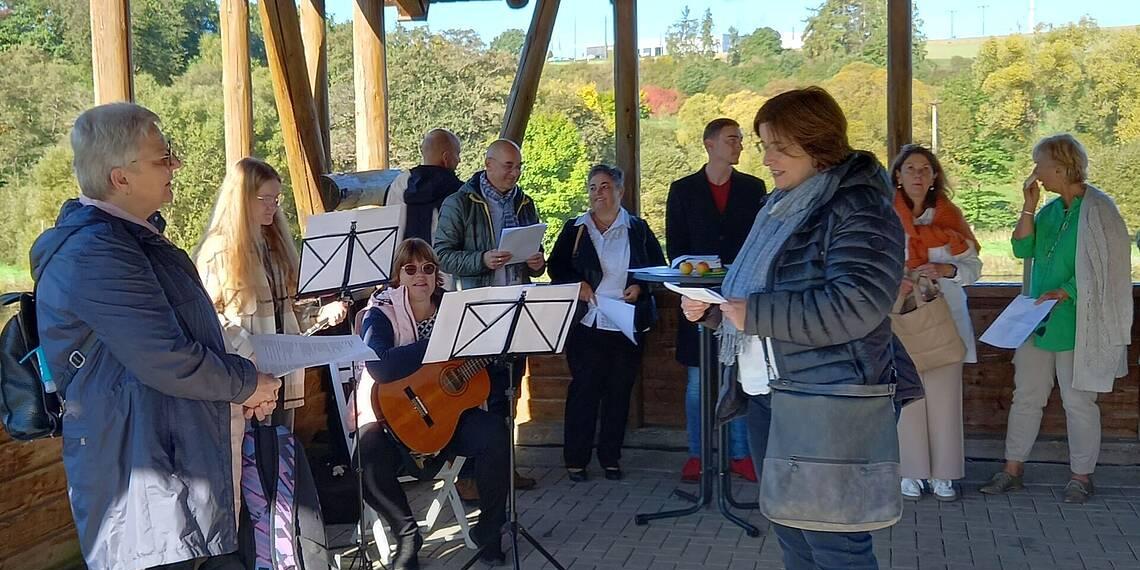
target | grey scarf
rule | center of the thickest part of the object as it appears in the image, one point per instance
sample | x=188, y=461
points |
x=781, y=215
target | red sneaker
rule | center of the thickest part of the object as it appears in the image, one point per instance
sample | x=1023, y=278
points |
x=744, y=468
x=691, y=472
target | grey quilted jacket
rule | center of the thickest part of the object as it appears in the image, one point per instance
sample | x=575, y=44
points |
x=833, y=285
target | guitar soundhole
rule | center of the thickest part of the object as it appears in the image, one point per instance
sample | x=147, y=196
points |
x=451, y=383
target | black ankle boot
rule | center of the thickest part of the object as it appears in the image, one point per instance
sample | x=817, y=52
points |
x=407, y=552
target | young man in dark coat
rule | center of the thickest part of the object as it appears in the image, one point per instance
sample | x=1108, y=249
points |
x=710, y=212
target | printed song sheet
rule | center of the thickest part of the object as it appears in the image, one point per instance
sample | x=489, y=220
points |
x=697, y=294
x=1016, y=322
x=280, y=354
x=619, y=313
x=522, y=242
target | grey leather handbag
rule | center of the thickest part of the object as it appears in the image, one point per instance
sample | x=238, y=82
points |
x=832, y=462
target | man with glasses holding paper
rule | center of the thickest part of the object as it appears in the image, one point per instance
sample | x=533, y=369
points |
x=467, y=243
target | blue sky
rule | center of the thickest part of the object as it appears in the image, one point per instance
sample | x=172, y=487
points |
x=583, y=23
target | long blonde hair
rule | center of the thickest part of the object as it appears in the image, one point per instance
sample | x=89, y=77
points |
x=237, y=256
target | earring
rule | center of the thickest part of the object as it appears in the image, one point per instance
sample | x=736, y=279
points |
x=930, y=190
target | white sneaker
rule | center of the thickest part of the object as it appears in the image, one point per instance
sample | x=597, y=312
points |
x=911, y=489
x=944, y=490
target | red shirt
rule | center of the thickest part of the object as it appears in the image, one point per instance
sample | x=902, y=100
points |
x=720, y=194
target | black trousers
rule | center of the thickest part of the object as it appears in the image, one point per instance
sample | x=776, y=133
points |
x=502, y=377
x=480, y=435
x=603, y=366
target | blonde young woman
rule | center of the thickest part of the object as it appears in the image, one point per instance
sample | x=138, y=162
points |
x=249, y=265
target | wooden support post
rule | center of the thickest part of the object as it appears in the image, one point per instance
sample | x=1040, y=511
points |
x=314, y=35
x=370, y=74
x=627, y=96
x=111, y=51
x=237, y=90
x=531, y=60
x=304, y=148
x=899, y=74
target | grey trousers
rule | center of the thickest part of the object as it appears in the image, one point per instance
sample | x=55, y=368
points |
x=1034, y=372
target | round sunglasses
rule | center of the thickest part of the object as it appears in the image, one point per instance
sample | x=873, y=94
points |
x=411, y=269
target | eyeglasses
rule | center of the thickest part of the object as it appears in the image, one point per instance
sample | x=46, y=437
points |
x=411, y=269
x=168, y=159
x=266, y=200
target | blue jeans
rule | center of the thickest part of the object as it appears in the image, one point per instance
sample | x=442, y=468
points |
x=737, y=431
x=806, y=549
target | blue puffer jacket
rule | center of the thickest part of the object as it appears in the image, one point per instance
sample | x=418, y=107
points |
x=833, y=285
x=146, y=435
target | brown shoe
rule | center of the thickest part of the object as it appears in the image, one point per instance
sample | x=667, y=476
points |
x=1077, y=491
x=468, y=492
x=523, y=483
x=1001, y=483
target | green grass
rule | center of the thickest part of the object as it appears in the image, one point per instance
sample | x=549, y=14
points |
x=14, y=278
x=958, y=47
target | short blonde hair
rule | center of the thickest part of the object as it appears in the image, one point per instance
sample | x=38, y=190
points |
x=1067, y=152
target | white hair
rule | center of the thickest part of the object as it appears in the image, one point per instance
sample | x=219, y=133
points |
x=107, y=137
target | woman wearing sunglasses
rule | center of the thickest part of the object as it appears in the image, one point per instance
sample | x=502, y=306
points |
x=249, y=265
x=397, y=325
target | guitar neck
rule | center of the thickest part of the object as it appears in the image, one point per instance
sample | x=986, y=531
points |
x=470, y=367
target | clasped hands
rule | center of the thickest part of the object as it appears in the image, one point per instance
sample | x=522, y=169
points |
x=263, y=401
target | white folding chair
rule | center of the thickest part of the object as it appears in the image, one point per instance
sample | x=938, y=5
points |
x=343, y=375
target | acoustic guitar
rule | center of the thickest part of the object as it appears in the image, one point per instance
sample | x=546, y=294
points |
x=422, y=410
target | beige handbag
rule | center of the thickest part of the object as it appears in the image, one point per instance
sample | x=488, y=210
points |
x=925, y=325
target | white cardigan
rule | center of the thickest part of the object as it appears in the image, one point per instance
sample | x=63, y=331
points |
x=1104, y=294
x=969, y=267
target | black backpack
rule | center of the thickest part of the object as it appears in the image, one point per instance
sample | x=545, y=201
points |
x=31, y=405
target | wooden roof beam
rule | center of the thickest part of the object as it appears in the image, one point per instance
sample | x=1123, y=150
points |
x=410, y=9
x=900, y=16
x=533, y=57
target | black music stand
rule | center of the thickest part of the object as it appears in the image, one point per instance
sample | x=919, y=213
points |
x=340, y=252
x=716, y=477
x=508, y=322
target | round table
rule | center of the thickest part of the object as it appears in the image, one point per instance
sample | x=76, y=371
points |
x=714, y=464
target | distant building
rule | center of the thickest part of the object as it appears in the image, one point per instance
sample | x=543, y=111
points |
x=651, y=49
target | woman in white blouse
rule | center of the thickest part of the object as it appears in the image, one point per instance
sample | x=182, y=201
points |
x=941, y=246
x=597, y=250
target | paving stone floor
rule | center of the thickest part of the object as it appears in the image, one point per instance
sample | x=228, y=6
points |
x=591, y=525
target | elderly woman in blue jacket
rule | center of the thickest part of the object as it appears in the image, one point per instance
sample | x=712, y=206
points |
x=810, y=292
x=146, y=435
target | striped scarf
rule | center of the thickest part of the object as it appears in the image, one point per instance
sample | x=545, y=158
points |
x=504, y=204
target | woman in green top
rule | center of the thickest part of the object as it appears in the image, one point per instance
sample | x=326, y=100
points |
x=1079, y=249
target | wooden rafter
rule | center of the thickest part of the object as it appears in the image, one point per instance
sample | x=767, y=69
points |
x=533, y=57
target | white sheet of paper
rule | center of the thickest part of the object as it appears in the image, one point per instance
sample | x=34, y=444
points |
x=280, y=354
x=324, y=251
x=697, y=294
x=619, y=313
x=522, y=242
x=476, y=322
x=1016, y=322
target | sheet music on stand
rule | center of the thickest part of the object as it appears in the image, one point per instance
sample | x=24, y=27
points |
x=482, y=318
x=349, y=250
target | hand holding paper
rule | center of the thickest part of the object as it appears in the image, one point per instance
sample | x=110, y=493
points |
x=280, y=354
x=522, y=242
x=1017, y=322
x=697, y=294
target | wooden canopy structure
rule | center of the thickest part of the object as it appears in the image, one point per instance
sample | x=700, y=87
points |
x=296, y=49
